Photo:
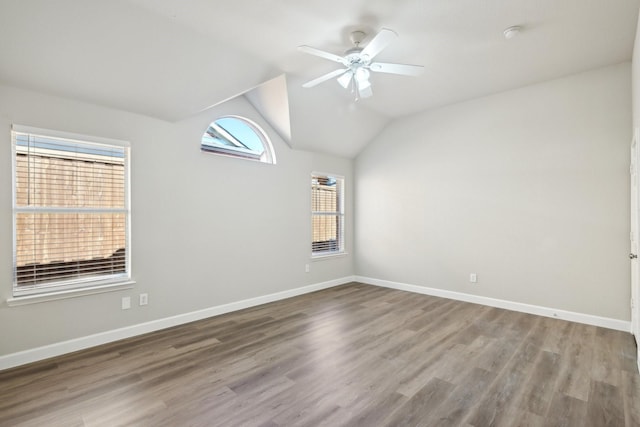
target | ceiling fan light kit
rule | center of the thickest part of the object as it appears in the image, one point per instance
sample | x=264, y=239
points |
x=357, y=63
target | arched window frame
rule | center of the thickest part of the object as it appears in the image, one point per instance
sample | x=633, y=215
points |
x=268, y=155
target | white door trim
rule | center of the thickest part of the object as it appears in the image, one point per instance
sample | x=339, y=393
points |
x=634, y=236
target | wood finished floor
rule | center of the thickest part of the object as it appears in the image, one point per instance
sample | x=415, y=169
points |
x=354, y=355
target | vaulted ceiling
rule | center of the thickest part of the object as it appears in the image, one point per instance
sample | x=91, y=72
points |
x=171, y=59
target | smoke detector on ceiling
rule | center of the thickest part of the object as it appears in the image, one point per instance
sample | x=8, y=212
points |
x=512, y=32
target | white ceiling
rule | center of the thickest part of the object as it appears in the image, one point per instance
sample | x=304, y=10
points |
x=171, y=59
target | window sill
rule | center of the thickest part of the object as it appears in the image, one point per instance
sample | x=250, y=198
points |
x=71, y=293
x=328, y=256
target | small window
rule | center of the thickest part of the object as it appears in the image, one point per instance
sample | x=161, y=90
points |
x=70, y=211
x=238, y=137
x=327, y=215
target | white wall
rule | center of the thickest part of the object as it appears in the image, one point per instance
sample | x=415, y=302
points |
x=206, y=230
x=528, y=189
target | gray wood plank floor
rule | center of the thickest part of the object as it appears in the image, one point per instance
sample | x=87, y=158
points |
x=355, y=355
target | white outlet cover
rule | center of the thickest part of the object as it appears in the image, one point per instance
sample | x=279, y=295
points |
x=126, y=303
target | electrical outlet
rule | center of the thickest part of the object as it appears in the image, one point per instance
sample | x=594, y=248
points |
x=306, y=268
x=473, y=278
x=126, y=303
x=144, y=299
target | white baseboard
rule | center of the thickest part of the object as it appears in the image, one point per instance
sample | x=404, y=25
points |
x=57, y=349
x=605, y=322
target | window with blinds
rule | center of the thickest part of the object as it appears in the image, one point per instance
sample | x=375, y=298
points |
x=71, y=211
x=327, y=215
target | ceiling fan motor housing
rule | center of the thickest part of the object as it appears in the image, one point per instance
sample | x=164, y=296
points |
x=353, y=58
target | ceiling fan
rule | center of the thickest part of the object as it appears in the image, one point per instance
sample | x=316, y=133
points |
x=357, y=63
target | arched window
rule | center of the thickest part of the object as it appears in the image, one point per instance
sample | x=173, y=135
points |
x=238, y=137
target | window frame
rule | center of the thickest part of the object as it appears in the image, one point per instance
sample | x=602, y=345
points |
x=68, y=287
x=339, y=214
x=268, y=155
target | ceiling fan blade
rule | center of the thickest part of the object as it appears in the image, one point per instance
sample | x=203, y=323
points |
x=403, y=69
x=345, y=79
x=324, y=78
x=321, y=54
x=379, y=42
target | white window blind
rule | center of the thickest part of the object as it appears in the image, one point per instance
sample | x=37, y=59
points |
x=327, y=214
x=71, y=212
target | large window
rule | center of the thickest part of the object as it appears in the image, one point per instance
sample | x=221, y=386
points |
x=237, y=137
x=327, y=214
x=70, y=210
